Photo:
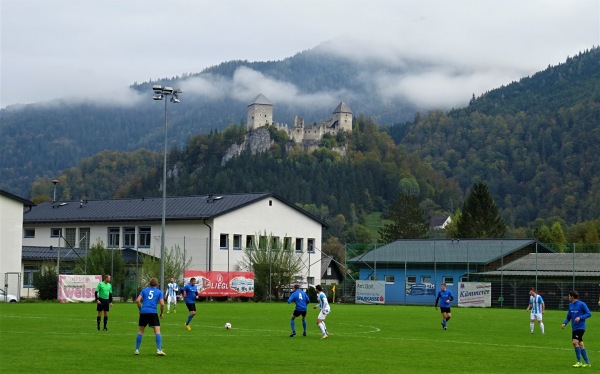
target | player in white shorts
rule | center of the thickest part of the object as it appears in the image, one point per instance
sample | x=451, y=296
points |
x=536, y=304
x=322, y=304
x=172, y=290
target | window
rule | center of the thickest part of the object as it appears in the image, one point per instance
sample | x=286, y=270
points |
x=287, y=243
x=464, y=279
x=144, y=235
x=224, y=241
x=299, y=244
x=311, y=245
x=113, y=237
x=129, y=237
x=389, y=279
x=275, y=242
x=237, y=241
x=448, y=280
x=310, y=280
x=55, y=233
x=411, y=279
x=249, y=241
x=84, y=238
x=425, y=279
x=29, y=233
x=262, y=242
x=70, y=235
x=28, y=274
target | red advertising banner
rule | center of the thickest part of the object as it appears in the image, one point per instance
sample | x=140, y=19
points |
x=222, y=283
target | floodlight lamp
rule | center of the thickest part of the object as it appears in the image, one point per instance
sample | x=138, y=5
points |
x=175, y=100
x=157, y=97
x=178, y=90
x=167, y=90
x=157, y=88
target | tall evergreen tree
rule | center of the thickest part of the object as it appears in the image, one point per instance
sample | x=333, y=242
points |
x=480, y=217
x=409, y=221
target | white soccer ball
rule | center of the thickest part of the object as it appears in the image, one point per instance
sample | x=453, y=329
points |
x=228, y=325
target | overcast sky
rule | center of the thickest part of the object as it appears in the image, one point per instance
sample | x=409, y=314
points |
x=95, y=49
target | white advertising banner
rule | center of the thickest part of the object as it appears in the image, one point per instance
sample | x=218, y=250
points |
x=370, y=292
x=75, y=288
x=475, y=294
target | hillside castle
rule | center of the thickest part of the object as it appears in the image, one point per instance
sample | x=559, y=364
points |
x=260, y=113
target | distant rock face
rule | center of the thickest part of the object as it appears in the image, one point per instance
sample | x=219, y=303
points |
x=256, y=141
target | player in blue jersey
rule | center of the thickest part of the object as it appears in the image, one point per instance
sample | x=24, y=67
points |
x=190, y=294
x=578, y=312
x=301, y=299
x=172, y=290
x=444, y=297
x=537, y=306
x=147, y=302
x=322, y=304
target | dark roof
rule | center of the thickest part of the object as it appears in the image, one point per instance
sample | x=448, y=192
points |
x=261, y=99
x=438, y=221
x=31, y=253
x=552, y=264
x=15, y=197
x=342, y=108
x=147, y=209
x=475, y=251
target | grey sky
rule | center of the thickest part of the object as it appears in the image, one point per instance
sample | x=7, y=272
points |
x=95, y=49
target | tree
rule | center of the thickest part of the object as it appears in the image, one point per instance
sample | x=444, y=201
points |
x=175, y=264
x=46, y=282
x=480, y=217
x=272, y=265
x=408, y=220
x=101, y=261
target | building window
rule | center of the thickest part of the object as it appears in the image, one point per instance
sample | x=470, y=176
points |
x=113, y=237
x=55, y=233
x=426, y=279
x=310, y=280
x=287, y=243
x=299, y=245
x=329, y=272
x=262, y=242
x=144, y=235
x=448, y=280
x=29, y=233
x=224, y=241
x=464, y=279
x=84, y=238
x=249, y=242
x=28, y=274
x=389, y=279
x=128, y=237
x=275, y=242
x=411, y=279
x=311, y=245
x=70, y=235
x=237, y=242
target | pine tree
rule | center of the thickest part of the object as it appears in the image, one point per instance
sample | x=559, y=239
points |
x=409, y=221
x=480, y=217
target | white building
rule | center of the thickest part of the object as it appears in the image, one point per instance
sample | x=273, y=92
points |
x=211, y=230
x=11, y=236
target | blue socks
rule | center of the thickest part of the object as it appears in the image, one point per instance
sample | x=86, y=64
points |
x=159, y=342
x=585, y=357
x=292, y=325
x=138, y=341
x=189, y=319
x=578, y=353
x=304, y=325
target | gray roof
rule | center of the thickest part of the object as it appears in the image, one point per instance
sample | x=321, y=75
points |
x=147, y=209
x=17, y=198
x=481, y=251
x=552, y=264
x=260, y=99
x=342, y=108
x=31, y=253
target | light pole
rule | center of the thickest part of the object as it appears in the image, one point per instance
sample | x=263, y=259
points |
x=161, y=93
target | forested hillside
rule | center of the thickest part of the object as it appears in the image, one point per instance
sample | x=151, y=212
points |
x=535, y=142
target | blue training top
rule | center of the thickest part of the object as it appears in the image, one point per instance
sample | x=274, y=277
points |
x=579, y=309
x=190, y=293
x=301, y=299
x=150, y=299
x=444, y=297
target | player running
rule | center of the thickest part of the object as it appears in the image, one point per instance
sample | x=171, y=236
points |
x=322, y=304
x=301, y=299
x=444, y=297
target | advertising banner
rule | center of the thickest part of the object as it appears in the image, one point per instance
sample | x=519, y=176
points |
x=370, y=292
x=76, y=288
x=474, y=294
x=222, y=283
x=420, y=289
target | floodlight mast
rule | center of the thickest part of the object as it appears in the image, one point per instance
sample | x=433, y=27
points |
x=161, y=93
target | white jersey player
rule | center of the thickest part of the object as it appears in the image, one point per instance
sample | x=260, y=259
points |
x=322, y=304
x=172, y=291
x=536, y=305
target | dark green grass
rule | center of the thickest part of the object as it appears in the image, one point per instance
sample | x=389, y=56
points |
x=62, y=338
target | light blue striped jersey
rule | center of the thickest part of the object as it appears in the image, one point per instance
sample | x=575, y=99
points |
x=172, y=289
x=536, y=304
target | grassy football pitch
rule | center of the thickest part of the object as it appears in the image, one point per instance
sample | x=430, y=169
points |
x=62, y=338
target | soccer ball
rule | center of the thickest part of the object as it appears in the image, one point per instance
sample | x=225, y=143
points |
x=228, y=325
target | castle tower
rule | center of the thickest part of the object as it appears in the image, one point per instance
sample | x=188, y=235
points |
x=342, y=117
x=260, y=113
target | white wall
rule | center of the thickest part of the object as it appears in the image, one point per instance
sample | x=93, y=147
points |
x=11, y=236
